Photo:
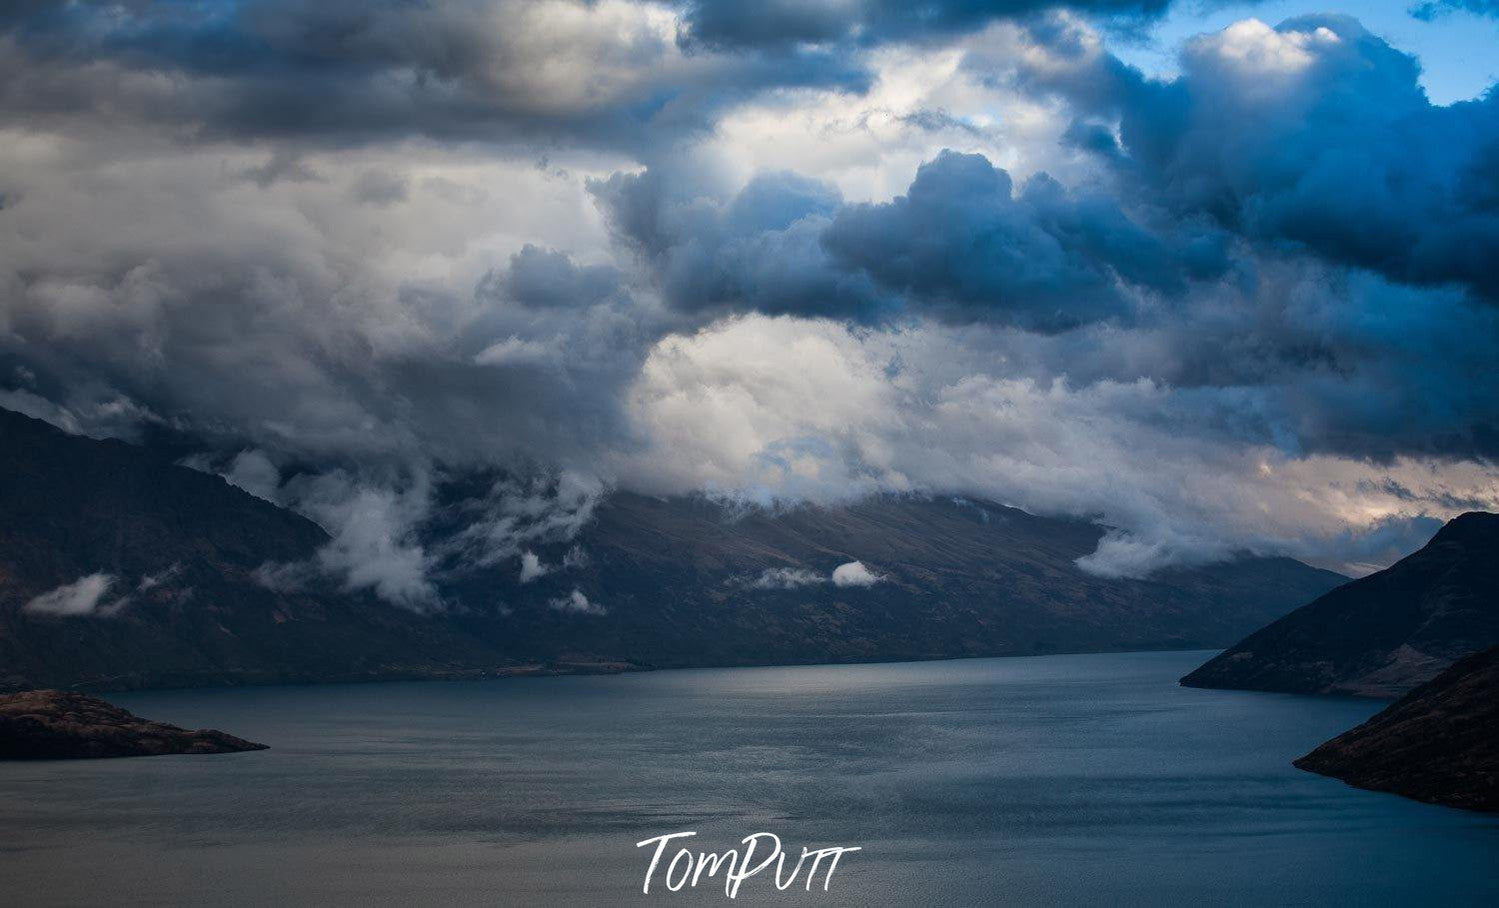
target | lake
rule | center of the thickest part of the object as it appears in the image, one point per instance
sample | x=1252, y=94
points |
x=1026, y=781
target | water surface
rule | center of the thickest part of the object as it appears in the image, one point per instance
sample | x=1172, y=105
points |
x=1031, y=781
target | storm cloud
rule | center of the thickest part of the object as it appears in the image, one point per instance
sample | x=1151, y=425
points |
x=1314, y=135
x=441, y=275
x=962, y=244
x=503, y=71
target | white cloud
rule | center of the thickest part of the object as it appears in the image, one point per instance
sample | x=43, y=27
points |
x=786, y=579
x=373, y=530
x=513, y=350
x=376, y=525
x=854, y=573
x=531, y=567
x=761, y=406
x=1253, y=52
x=515, y=512
x=81, y=597
x=254, y=472
x=578, y=604
x=151, y=581
x=922, y=99
x=772, y=408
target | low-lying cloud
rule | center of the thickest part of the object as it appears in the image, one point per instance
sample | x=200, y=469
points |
x=854, y=574
x=576, y=603
x=84, y=596
x=849, y=574
x=532, y=567
x=785, y=579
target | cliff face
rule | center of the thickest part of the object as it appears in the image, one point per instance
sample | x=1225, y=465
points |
x=175, y=601
x=60, y=725
x=1382, y=635
x=1439, y=743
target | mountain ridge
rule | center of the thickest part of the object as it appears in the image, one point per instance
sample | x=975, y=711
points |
x=1381, y=635
x=645, y=582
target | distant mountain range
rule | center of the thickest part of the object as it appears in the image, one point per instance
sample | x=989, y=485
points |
x=120, y=569
x=1382, y=635
x=1440, y=743
x=690, y=582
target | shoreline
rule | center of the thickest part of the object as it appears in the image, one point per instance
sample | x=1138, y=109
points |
x=590, y=669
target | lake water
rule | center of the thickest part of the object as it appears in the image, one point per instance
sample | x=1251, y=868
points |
x=1052, y=780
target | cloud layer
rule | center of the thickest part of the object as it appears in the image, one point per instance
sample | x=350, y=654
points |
x=439, y=275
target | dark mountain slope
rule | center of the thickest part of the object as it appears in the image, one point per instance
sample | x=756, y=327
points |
x=182, y=546
x=1439, y=743
x=1384, y=634
x=678, y=578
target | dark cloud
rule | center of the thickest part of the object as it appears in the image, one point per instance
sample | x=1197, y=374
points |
x=1267, y=347
x=292, y=346
x=1314, y=135
x=547, y=278
x=348, y=71
x=1344, y=364
x=962, y=245
x=781, y=23
x=758, y=251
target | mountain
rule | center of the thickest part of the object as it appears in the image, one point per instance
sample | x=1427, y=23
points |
x=1384, y=634
x=171, y=554
x=688, y=582
x=63, y=725
x=120, y=569
x=1439, y=743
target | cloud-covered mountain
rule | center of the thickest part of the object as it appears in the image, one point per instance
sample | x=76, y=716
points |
x=1245, y=301
x=119, y=568
x=672, y=581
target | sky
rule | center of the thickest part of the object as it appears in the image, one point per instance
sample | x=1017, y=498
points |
x=1455, y=42
x=1222, y=276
